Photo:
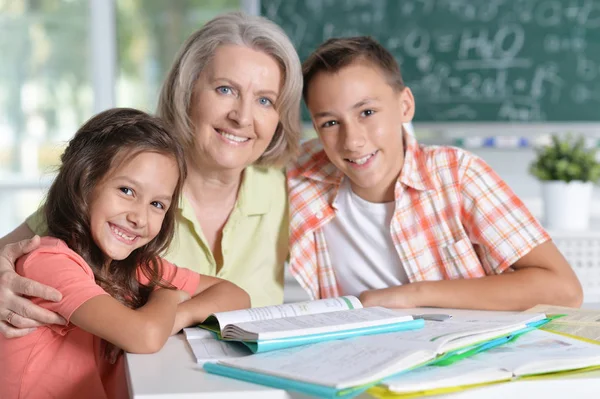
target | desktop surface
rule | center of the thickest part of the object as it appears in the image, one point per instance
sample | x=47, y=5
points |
x=173, y=373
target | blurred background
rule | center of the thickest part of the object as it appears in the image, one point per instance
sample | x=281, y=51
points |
x=495, y=77
x=64, y=60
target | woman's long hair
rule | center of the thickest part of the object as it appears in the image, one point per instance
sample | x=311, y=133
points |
x=102, y=142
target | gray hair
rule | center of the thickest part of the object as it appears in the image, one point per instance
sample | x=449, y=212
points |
x=241, y=29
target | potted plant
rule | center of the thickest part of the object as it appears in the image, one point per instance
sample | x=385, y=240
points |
x=568, y=171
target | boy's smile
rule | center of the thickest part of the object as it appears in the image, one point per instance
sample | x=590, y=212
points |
x=358, y=116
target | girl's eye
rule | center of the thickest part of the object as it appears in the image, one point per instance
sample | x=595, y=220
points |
x=367, y=112
x=329, y=124
x=126, y=190
x=265, y=101
x=225, y=90
x=158, y=205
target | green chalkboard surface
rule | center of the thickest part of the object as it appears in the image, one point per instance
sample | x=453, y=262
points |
x=471, y=60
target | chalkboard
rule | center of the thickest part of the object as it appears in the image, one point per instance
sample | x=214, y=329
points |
x=471, y=60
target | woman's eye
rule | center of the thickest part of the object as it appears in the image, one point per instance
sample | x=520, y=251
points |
x=265, y=101
x=224, y=90
x=367, y=112
x=158, y=205
x=126, y=190
x=329, y=124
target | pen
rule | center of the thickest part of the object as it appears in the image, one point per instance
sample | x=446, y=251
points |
x=432, y=316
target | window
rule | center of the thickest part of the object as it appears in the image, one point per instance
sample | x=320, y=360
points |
x=47, y=81
x=149, y=34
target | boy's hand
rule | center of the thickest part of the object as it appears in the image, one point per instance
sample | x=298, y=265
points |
x=399, y=297
x=18, y=315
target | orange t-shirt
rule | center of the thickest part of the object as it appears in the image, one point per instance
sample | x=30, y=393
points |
x=66, y=361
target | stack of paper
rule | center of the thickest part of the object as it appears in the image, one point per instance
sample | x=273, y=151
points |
x=344, y=368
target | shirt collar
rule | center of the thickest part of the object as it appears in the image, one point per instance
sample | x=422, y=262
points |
x=254, y=198
x=414, y=171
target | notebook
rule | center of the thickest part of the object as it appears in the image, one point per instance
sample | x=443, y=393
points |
x=345, y=368
x=533, y=354
x=275, y=327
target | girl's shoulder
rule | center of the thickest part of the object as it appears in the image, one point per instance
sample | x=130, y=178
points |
x=51, y=250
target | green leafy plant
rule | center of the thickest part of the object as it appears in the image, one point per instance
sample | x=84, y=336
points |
x=566, y=159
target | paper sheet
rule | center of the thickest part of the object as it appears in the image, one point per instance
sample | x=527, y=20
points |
x=207, y=348
x=288, y=310
x=584, y=323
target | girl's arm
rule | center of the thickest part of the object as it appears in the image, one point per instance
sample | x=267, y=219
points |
x=144, y=330
x=212, y=295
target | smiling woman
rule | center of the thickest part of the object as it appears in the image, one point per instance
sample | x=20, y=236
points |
x=232, y=97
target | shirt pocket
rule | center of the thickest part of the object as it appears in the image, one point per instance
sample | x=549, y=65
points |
x=450, y=261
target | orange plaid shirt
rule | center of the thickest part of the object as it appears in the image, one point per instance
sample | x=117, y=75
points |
x=454, y=217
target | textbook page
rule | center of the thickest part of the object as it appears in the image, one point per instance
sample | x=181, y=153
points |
x=318, y=323
x=540, y=352
x=533, y=353
x=463, y=373
x=207, y=348
x=287, y=310
x=584, y=323
x=456, y=333
x=339, y=364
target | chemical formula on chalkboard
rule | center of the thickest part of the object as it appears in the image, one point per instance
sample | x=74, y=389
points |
x=471, y=60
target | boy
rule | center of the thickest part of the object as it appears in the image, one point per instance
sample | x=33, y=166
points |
x=376, y=215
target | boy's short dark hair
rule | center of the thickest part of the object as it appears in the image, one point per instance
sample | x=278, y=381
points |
x=337, y=53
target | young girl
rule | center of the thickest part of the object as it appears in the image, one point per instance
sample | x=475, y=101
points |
x=110, y=212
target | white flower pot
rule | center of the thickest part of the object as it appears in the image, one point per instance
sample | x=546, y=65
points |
x=567, y=206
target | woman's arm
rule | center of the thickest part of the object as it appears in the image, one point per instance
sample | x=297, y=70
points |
x=24, y=315
x=144, y=330
x=212, y=295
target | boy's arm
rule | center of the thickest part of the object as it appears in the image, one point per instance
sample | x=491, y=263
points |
x=541, y=276
x=212, y=295
x=509, y=237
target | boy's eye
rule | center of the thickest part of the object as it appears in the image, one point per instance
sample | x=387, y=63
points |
x=126, y=190
x=329, y=124
x=225, y=90
x=158, y=205
x=367, y=112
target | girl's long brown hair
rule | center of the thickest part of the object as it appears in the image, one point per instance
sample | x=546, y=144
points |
x=102, y=142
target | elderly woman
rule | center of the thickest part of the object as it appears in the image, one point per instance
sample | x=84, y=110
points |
x=233, y=98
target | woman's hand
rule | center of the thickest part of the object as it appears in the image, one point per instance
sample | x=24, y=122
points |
x=18, y=315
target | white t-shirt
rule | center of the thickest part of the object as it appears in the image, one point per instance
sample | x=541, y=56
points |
x=360, y=244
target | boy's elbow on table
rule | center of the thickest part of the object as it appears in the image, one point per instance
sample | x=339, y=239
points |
x=571, y=293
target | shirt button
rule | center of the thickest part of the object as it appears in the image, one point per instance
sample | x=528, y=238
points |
x=319, y=215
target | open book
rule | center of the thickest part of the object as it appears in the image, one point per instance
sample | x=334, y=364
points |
x=538, y=352
x=578, y=323
x=344, y=368
x=283, y=326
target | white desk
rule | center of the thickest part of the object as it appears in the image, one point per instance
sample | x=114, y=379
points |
x=173, y=373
